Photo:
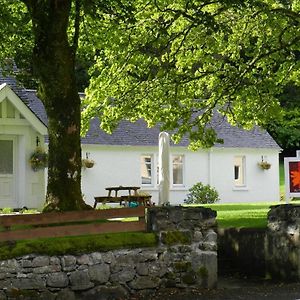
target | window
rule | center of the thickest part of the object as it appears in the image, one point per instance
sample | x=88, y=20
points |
x=177, y=165
x=147, y=169
x=6, y=157
x=239, y=170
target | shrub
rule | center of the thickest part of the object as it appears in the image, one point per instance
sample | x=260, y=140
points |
x=200, y=193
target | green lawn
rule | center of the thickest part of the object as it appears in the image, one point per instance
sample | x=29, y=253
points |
x=242, y=215
x=246, y=215
x=281, y=178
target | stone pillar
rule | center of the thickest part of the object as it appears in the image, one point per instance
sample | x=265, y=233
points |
x=282, y=250
x=190, y=234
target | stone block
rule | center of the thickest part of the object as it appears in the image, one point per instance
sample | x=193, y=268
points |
x=68, y=262
x=2, y=295
x=209, y=246
x=142, y=269
x=99, y=273
x=36, y=282
x=198, y=236
x=157, y=269
x=57, y=280
x=84, y=260
x=26, y=263
x=109, y=258
x=47, y=269
x=80, y=280
x=54, y=260
x=211, y=236
x=144, y=282
x=123, y=276
x=40, y=261
x=5, y=284
x=10, y=264
x=148, y=255
x=96, y=257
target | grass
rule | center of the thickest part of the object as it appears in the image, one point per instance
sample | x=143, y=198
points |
x=281, y=179
x=77, y=245
x=242, y=215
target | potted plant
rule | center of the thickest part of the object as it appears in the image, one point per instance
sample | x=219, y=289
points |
x=38, y=159
x=87, y=163
x=264, y=165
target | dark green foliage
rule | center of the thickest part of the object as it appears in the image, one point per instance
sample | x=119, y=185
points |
x=286, y=128
x=200, y=193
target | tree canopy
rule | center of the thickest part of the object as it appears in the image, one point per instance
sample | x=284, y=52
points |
x=175, y=62
x=169, y=61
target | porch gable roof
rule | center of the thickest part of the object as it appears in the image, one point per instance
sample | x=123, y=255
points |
x=7, y=93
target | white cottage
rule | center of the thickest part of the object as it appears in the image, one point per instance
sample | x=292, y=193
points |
x=129, y=157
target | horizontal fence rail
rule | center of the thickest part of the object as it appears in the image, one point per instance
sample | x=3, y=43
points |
x=58, y=224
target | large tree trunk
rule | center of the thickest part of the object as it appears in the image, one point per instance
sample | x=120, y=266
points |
x=53, y=60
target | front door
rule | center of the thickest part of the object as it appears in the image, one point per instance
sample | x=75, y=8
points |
x=7, y=172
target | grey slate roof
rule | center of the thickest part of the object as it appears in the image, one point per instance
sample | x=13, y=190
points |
x=137, y=134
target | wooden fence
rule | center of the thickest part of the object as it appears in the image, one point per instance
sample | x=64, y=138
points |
x=58, y=224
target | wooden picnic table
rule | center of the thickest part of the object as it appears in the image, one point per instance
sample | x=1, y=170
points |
x=116, y=189
x=132, y=196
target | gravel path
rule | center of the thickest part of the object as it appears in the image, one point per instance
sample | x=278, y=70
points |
x=231, y=289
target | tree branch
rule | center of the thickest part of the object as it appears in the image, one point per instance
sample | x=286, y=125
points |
x=76, y=26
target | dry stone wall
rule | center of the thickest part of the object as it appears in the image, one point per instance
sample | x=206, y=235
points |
x=185, y=257
x=282, y=249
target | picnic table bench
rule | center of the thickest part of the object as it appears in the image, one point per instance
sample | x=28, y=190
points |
x=125, y=200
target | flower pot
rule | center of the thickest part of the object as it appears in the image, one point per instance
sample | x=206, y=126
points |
x=88, y=163
x=264, y=165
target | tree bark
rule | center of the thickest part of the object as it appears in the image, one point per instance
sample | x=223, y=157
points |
x=54, y=60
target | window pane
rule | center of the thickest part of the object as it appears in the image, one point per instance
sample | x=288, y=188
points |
x=178, y=169
x=239, y=170
x=6, y=157
x=146, y=169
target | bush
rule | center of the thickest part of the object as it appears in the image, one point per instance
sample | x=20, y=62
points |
x=200, y=193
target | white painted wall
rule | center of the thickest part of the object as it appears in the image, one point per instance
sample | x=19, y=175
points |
x=120, y=165
x=29, y=185
x=261, y=185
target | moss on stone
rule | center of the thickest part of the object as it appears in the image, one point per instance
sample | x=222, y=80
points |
x=78, y=244
x=175, y=237
x=203, y=272
x=182, y=266
x=171, y=275
x=23, y=294
x=189, y=278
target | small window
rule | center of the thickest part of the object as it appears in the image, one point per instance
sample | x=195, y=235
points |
x=6, y=157
x=239, y=170
x=177, y=164
x=147, y=169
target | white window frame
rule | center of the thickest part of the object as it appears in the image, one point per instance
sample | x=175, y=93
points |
x=152, y=164
x=172, y=170
x=239, y=182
